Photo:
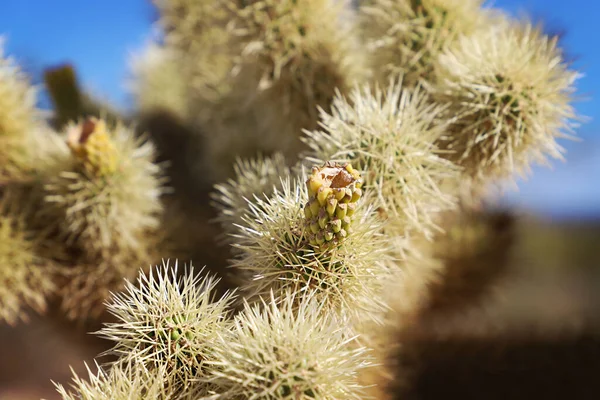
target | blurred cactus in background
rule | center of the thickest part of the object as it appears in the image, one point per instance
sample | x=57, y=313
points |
x=349, y=149
x=511, y=99
x=18, y=119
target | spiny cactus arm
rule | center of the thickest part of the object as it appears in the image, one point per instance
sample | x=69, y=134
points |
x=475, y=250
x=65, y=93
x=119, y=382
x=510, y=93
x=196, y=38
x=406, y=36
x=274, y=250
x=158, y=83
x=190, y=24
x=389, y=135
x=288, y=349
x=168, y=322
x=291, y=58
x=110, y=194
x=103, y=207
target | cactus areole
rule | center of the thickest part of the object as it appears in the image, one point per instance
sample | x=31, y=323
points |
x=333, y=191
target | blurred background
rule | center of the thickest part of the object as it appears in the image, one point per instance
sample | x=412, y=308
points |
x=560, y=206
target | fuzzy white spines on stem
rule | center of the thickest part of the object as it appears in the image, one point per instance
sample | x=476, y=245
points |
x=166, y=321
x=275, y=251
x=288, y=349
x=390, y=136
x=509, y=90
x=253, y=178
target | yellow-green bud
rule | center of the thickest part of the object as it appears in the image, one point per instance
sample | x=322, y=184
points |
x=93, y=147
x=333, y=191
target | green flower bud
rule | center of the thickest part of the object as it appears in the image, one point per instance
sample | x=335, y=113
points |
x=333, y=192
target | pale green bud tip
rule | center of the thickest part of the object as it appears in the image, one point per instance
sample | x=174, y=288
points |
x=333, y=191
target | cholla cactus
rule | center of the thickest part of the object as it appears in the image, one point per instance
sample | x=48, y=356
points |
x=120, y=382
x=333, y=193
x=25, y=278
x=274, y=249
x=390, y=136
x=253, y=178
x=510, y=91
x=110, y=197
x=18, y=119
x=291, y=350
x=104, y=206
x=168, y=322
x=406, y=36
x=314, y=253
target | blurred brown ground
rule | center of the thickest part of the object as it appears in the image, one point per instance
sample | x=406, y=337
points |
x=552, y=292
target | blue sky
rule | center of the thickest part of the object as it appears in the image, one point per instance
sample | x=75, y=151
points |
x=100, y=36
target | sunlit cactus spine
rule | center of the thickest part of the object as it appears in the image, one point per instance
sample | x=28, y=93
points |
x=333, y=192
